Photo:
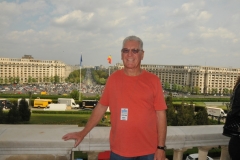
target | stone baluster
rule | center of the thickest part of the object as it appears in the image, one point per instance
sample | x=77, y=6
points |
x=224, y=153
x=178, y=153
x=203, y=152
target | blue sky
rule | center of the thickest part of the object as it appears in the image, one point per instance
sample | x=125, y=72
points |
x=180, y=32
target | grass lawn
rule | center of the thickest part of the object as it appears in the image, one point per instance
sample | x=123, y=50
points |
x=64, y=119
x=77, y=119
x=196, y=103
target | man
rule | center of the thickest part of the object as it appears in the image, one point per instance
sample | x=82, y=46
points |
x=136, y=101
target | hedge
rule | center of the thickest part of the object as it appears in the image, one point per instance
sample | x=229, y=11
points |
x=174, y=99
x=65, y=112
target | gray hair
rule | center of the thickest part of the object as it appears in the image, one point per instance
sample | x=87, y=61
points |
x=133, y=38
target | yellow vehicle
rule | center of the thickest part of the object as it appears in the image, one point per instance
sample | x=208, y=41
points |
x=43, y=93
x=42, y=103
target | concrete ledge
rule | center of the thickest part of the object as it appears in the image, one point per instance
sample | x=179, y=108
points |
x=46, y=140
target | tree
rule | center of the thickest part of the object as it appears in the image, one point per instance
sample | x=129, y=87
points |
x=56, y=79
x=225, y=91
x=189, y=89
x=166, y=85
x=24, y=110
x=196, y=90
x=29, y=79
x=46, y=79
x=52, y=79
x=186, y=89
x=102, y=81
x=214, y=91
x=179, y=88
x=1, y=80
x=171, y=115
x=17, y=79
x=174, y=87
x=74, y=94
x=34, y=80
x=201, y=118
x=185, y=116
x=11, y=80
x=74, y=77
x=100, y=76
x=5, y=80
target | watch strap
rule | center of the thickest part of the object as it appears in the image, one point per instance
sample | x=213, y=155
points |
x=162, y=147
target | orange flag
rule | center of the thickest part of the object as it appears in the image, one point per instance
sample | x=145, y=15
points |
x=109, y=59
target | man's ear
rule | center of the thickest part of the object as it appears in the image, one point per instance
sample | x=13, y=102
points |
x=142, y=54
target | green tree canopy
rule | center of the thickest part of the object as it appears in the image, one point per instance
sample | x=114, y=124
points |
x=74, y=77
x=100, y=76
x=74, y=94
x=185, y=116
x=201, y=118
x=171, y=115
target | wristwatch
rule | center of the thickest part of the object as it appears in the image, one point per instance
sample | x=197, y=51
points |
x=162, y=147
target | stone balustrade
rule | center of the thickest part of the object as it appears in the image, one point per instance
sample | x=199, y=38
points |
x=37, y=142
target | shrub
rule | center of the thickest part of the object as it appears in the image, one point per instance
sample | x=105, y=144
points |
x=14, y=115
x=24, y=110
x=2, y=116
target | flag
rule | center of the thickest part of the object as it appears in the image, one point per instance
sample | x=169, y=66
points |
x=109, y=59
x=81, y=60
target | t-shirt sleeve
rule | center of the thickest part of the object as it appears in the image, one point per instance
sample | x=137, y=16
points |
x=104, y=100
x=159, y=100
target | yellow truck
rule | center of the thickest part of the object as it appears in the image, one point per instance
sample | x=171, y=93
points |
x=42, y=103
x=43, y=93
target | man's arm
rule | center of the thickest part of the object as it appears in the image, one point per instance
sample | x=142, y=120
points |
x=95, y=117
x=162, y=133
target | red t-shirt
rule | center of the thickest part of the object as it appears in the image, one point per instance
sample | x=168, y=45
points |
x=141, y=96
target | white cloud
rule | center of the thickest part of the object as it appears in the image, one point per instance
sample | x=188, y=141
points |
x=189, y=8
x=204, y=15
x=219, y=32
x=75, y=16
x=189, y=51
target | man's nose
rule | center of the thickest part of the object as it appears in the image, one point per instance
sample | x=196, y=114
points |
x=130, y=52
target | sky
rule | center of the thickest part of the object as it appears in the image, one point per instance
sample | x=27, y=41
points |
x=179, y=32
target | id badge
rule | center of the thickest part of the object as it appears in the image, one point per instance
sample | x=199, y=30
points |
x=124, y=114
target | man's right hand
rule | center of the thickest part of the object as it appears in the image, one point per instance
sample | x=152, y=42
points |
x=77, y=136
x=95, y=117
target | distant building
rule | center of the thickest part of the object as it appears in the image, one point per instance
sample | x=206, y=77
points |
x=29, y=70
x=207, y=79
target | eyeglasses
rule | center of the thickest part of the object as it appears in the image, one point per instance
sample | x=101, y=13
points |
x=134, y=51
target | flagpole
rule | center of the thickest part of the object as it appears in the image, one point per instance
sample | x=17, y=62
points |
x=80, y=77
x=80, y=85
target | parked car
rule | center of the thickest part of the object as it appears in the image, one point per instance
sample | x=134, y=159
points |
x=195, y=157
x=4, y=103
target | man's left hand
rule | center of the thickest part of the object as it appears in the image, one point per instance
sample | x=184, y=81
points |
x=160, y=155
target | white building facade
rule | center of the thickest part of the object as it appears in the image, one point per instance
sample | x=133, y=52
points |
x=207, y=79
x=27, y=70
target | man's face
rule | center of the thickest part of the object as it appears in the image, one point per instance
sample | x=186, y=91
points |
x=132, y=55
